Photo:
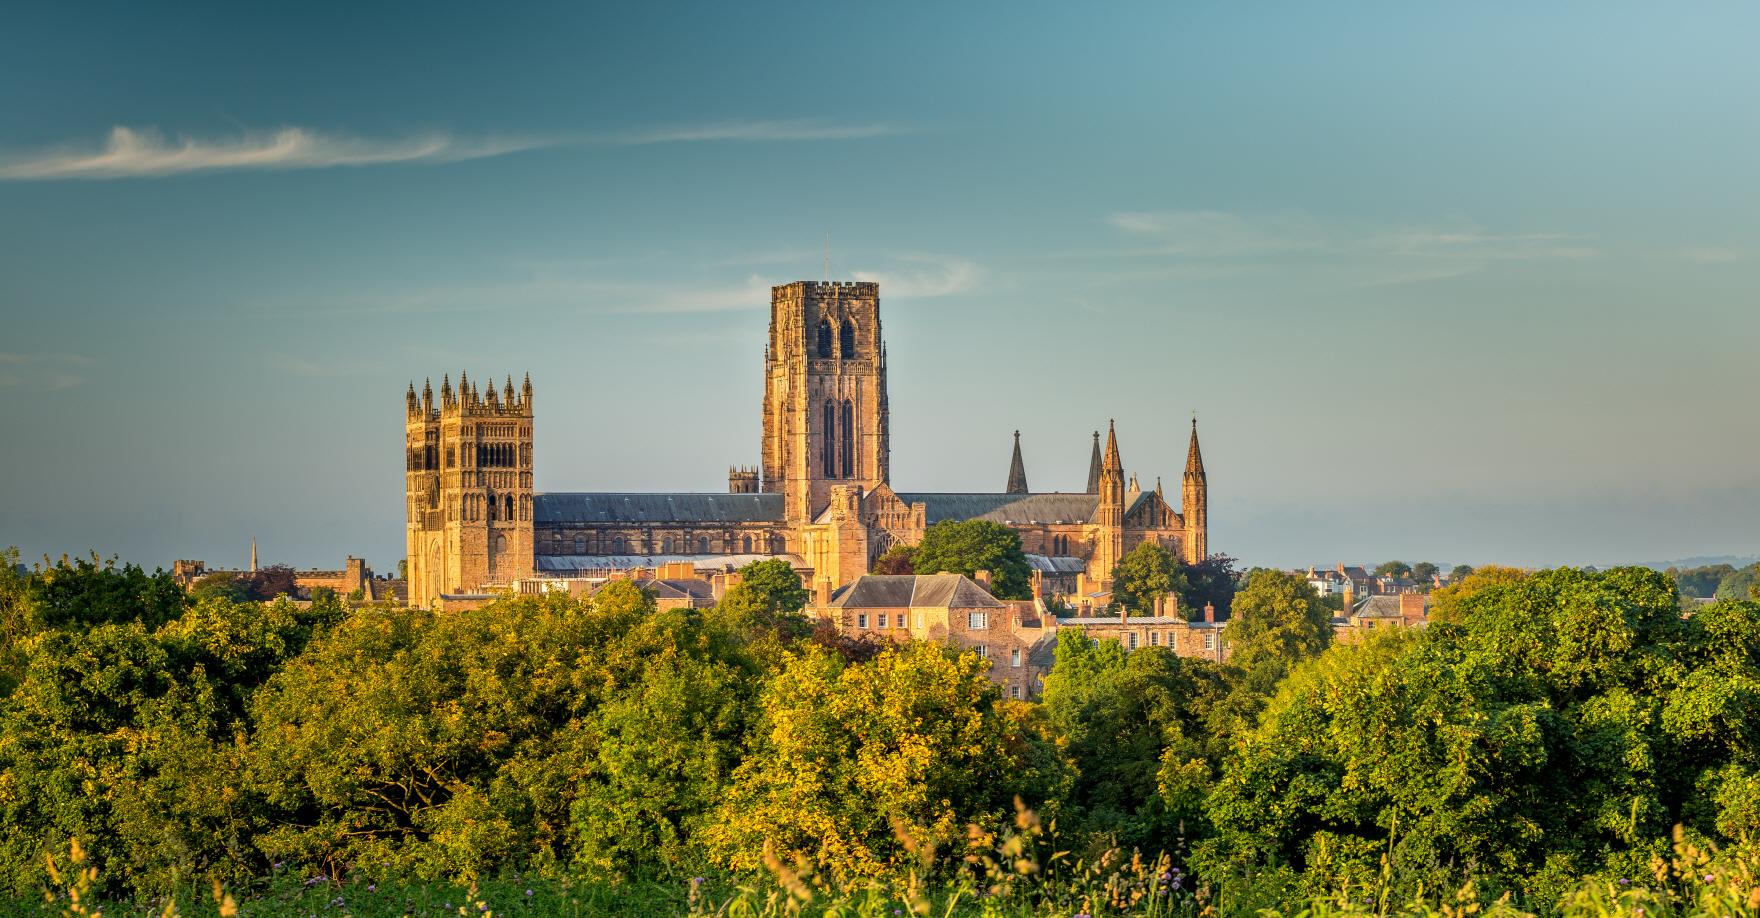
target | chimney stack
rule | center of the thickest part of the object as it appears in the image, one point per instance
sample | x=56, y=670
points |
x=1209, y=613
x=983, y=577
x=825, y=592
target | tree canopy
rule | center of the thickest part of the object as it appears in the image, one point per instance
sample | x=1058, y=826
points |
x=969, y=546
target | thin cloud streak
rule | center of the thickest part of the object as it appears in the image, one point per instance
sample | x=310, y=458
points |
x=148, y=153
x=48, y=372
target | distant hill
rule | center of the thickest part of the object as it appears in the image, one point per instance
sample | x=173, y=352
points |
x=1737, y=561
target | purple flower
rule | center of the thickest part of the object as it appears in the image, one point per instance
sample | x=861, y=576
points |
x=372, y=887
x=1709, y=878
x=528, y=894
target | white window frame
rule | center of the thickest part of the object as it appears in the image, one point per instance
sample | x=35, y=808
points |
x=861, y=620
x=977, y=621
x=1014, y=657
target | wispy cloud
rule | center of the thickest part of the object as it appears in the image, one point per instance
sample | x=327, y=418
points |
x=1713, y=255
x=147, y=152
x=1375, y=254
x=924, y=276
x=50, y=372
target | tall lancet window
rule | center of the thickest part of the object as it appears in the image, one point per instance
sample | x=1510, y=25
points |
x=847, y=340
x=847, y=439
x=825, y=338
x=828, y=442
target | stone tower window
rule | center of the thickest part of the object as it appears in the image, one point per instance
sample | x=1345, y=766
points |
x=828, y=442
x=847, y=340
x=748, y=544
x=702, y=546
x=825, y=338
x=847, y=438
x=508, y=504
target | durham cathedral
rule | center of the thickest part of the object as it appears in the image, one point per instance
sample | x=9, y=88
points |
x=822, y=496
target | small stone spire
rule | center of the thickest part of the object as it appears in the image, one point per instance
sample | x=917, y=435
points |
x=1194, y=458
x=507, y=392
x=1094, y=466
x=1017, y=470
x=409, y=399
x=1113, y=462
x=446, y=390
x=525, y=391
x=1158, y=492
x=427, y=396
x=253, y=554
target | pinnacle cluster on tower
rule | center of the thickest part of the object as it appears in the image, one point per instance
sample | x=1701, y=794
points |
x=469, y=399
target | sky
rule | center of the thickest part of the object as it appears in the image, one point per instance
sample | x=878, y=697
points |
x=1466, y=283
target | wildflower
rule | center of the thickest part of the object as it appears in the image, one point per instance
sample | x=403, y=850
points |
x=1709, y=878
x=372, y=887
x=528, y=894
x=1176, y=884
x=1624, y=882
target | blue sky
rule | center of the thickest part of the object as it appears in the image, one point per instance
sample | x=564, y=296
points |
x=1465, y=283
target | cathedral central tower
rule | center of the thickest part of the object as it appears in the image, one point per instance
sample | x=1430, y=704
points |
x=825, y=411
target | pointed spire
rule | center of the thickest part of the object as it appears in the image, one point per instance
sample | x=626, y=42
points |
x=1113, y=462
x=446, y=390
x=253, y=554
x=1017, y=470
x=1135, y=488
x=507, y=392
x=1094, y=466
x=409, y=399
x=1158, y=492
x=1194, y=458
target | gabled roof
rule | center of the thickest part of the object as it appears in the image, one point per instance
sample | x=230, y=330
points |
x=1377, y=607
x=899, y=591
x=1000, y=508
x=611, y=507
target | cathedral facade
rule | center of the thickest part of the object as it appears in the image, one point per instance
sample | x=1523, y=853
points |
x=821, y=496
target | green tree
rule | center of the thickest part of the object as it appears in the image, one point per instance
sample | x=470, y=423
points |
x=1211, y=581
x=1460, y=570
x=1393, y=569
x=898, y=559
x=1737, y=583
x=1557, y=724
x=1423, y=571
x=969, y=546
x=1126, y=721
x=1143, y=575
x=773, y=585
x=1277, y=623
x=849, y=757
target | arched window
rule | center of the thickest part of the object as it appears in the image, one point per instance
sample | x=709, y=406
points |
x=491, y=508
x=580, y=545
x=702, y=545
x=748, y=544
x=500, y=544
x=847, y=340
x=848, y=438
x=666, y=546
x=620, y=545
x=828, y=442
x=508, y=507
x=825, y=338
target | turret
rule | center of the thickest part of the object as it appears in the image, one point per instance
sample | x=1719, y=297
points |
x=1017, y=470
x=1109, y=512
x=427, y=397
x=446, y=398
x=1195, y=500
x=525, y=392
x=507, y=393
x=409, y=400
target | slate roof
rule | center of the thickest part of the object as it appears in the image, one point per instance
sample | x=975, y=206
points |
x=1049, y=564
x=611, y=507
x=1019, y=508
x=898, y=591
x=1378, y=607
x=569, y=563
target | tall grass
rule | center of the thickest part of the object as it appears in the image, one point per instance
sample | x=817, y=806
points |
x=1006, y=875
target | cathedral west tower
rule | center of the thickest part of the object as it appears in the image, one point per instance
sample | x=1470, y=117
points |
x=825, y=411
